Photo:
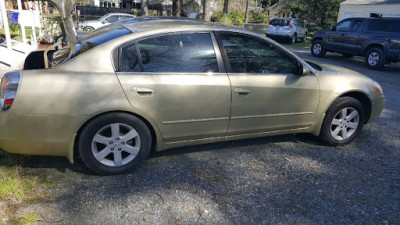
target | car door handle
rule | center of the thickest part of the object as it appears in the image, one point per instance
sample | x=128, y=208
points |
x=241, y=91
x=142, y=90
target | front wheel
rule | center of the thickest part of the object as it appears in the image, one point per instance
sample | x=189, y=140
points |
x=317, y=49
x=114, y=143
x=375, y=59
x=343, y=121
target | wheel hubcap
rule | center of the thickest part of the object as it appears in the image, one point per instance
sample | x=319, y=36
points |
x=317, y=48
x=373, y=58
x=345, y=123
x=116, y=144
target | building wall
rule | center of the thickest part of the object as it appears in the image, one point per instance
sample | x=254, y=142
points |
x=347, y=11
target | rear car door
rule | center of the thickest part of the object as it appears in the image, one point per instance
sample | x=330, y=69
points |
x=178, y=80
x=267, y=96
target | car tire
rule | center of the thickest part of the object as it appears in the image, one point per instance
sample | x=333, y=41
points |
x=343, y=121
x=375, y=59
x=347, y=55
x=318, y=49
x=114, y=143
x=88, y=29
x=304, y=38
x=293, y=39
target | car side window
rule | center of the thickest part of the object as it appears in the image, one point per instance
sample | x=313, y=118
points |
x=355, y=25
x=248, y=54
x=343, y=26
x=192, y=52
x=380, y=25
x=112, y=19
x=129, y=60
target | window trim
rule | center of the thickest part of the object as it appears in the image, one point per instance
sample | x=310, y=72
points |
x=219, y=58
x=228, y=64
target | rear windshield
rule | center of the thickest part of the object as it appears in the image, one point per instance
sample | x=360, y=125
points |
x=279, y=22
x=98, y=39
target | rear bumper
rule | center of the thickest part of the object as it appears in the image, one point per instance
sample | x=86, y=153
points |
x=37, y=135
x=285, y=37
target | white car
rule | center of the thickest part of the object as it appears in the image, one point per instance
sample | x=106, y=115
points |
x=107, y=19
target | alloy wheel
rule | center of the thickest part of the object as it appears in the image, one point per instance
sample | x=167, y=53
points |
x=345, y=123
x=317, y=49
x=373, y=58
x=116, y=144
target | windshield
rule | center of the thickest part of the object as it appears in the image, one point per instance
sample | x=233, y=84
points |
x=279, y=22
x=98, y=39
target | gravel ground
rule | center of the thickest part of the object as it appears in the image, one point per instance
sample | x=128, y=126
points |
x=290, y=179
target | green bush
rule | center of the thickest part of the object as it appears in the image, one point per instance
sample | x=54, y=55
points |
x=230, y=19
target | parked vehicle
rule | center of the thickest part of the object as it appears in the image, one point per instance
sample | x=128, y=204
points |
x=376, y=39
x=288, y=29
x=107, y=19
x=165, y=84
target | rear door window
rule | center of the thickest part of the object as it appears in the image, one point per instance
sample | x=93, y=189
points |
x=192, y=52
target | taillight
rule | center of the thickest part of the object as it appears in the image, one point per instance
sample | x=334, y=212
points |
x=290, y=25
x=9, y=88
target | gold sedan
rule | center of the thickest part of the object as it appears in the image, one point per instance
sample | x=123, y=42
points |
x=163, y=84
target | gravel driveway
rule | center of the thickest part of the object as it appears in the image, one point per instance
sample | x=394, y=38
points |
x=290, y=179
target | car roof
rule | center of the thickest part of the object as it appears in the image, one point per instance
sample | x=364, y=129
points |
x=125, y=14
x=176, y=25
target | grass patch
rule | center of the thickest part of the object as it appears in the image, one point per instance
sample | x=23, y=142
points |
x=26, y=219
x=305, y=44
x=18, y=34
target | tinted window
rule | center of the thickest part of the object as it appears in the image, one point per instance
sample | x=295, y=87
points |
x=252, y=55
x=112, y=19
x=343, y=26
x=384, y=25
x=129, y=59
x=97, y=39
x=173, y=53
x=355, y=25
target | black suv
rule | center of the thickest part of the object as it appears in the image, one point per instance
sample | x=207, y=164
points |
x=377, y=39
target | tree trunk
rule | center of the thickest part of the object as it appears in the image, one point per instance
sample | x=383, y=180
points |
x=225, y=6
x=247, y=12
x=145, y=8
x=176, y=8
x=206, y=10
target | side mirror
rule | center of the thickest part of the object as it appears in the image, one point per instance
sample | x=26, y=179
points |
x=306, y=71
x=303, y=70
x=103, y=22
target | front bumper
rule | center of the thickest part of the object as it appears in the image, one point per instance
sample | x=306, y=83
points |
x=377, y=106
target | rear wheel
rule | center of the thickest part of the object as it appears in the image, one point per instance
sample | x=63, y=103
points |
x=317, y=49
x=375, y=59
x=88, y=29
x=293, y=39
x=114, y=143
x=304, y=38
x=343, y=121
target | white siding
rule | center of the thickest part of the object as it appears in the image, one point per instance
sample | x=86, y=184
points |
x=347, y=11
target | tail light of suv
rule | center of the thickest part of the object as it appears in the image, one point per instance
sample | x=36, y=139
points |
x=9, y=88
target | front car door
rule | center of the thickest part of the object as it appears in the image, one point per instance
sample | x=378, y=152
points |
x=335, y=36
x=180, y=82
x=267, y=95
